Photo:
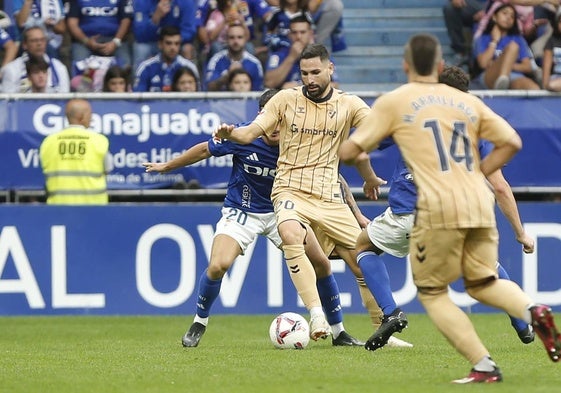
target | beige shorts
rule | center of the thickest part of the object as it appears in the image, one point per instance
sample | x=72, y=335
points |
x=334, y=221
x=441, y=256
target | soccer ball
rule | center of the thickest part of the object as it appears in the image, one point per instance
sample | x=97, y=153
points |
x=289, y=331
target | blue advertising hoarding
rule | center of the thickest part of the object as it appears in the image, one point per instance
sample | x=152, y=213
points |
x=147, y=259
x=147, y=128
x=138, y=131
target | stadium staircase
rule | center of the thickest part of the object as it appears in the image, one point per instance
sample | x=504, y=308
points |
x=376, y=31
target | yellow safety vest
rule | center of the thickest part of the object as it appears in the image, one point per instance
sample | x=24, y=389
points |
x=73, y=165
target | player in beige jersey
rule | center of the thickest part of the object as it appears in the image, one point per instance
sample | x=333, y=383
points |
x=437, y=129
x=314, y=119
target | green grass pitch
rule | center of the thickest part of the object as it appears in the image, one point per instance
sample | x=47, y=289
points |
x=144, y=354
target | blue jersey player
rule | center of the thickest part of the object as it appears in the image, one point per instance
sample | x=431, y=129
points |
x=389, y=232
x=248, y=212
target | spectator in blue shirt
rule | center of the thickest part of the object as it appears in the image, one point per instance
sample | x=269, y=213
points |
x=283, y=66
x=151, y=15
x=278, y=25
x=327, y=15
x=502, y=54
x=9, y=48
x=156, y=73
x=98, y=27
x=235, y=56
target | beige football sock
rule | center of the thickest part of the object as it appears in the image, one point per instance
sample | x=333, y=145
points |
x=455, y=325
x=370, y=304
x=504, y=294
x=302, y=274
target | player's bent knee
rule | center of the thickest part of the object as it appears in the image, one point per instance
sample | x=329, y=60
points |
x=292, y=232
x=216, y=270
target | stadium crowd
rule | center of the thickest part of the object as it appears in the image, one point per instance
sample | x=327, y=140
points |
x=249, y=45
x=506, y=44
x=152, y=44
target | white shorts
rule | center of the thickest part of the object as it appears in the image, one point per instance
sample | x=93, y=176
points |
x=390, y=232
x=244, y=227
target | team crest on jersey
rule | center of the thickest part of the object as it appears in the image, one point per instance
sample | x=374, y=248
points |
x=331, y=112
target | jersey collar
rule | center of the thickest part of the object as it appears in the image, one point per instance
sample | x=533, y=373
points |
x=317, y=100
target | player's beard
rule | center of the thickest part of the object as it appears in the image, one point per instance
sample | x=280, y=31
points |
x=317, y=90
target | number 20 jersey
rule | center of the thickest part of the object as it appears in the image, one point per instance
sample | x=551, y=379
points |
x=253, y=171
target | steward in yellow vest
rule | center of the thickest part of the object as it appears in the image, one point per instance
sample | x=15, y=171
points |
x=74, y=160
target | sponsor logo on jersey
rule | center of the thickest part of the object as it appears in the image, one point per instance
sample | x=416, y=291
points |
x=100, y=11
x=253, y=157
x=313, y=131
x=259, y=170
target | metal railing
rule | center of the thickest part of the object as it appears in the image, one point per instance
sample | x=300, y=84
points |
x=21, y=196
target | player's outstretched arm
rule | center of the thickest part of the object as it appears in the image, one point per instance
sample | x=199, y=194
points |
x=190, y=156
x=349, y=152
x=507, y=204
x=351, y=202
x=241, y=135
x=500, y=155
x=372, y=182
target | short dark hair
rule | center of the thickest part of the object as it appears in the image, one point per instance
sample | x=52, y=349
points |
x=422, y=52
x=315, y=50
x=33, y=27
x=302, y=17
x=35, y=64
x=167, y=31
x=266, y=96
x=455, y=77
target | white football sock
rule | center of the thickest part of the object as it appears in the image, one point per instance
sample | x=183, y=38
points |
x=337, y=329
x=485, y=364
x=202, y=321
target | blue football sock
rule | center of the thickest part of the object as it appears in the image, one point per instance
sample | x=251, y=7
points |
x=516, y=323
x=208, y=292
x=330, y=299
x=377, y=279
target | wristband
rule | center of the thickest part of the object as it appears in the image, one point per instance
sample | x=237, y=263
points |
x=117, y=42
x=85, y=41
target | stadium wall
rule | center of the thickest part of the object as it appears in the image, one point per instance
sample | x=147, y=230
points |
x=147, y=259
